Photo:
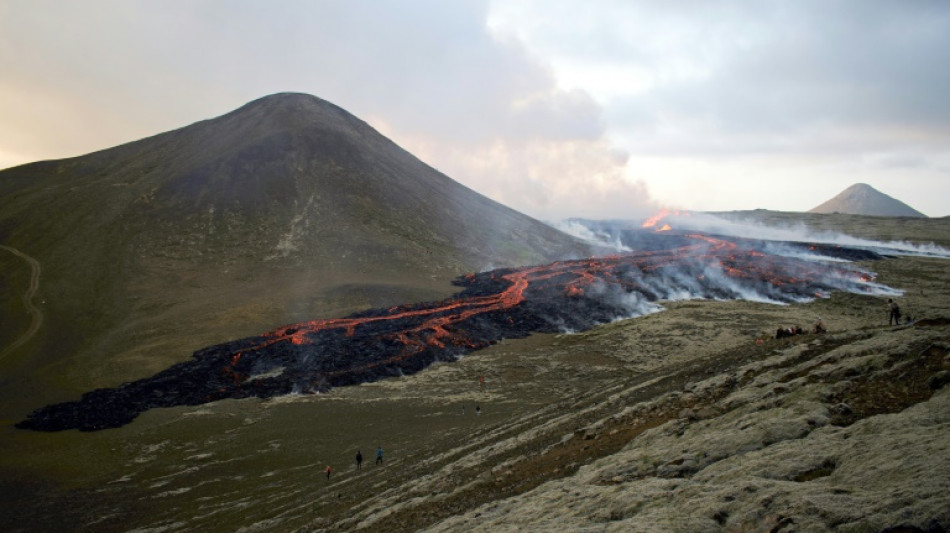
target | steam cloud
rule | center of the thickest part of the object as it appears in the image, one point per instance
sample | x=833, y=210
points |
x=610, y=233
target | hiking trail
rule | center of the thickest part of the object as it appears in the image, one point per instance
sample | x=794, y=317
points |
x=35, y=313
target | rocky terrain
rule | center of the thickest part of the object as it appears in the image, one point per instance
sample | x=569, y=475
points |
x=843, y=432
x=674, y=421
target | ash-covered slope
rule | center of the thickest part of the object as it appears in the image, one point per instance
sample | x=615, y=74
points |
x=862, y=199
x=326, y=179
x=285, y=209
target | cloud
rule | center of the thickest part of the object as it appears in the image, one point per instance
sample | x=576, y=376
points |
x=716, y=95
x=752, y=77
x=553, y=177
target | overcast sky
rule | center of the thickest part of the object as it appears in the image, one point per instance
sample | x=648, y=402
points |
x=595, y=108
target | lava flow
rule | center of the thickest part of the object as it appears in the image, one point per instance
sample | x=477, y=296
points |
x=571, y=295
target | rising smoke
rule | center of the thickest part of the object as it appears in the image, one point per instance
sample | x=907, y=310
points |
x=617, y=234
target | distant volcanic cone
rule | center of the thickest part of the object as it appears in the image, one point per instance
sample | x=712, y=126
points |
x=862, y=199
x=506, y=303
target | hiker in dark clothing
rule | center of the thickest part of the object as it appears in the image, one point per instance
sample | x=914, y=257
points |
x=894, y=313
x=359, y=460
x=379, y=456
x=329, y=471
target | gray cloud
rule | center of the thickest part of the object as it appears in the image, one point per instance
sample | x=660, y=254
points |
x=718, y=102
x=851, y=76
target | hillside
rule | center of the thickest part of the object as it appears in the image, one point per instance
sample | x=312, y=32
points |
x=284, y=210
x=674, y=421
x=862, y=199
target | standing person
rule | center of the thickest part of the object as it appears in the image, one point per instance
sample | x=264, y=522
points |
x=329, y=471
x=379, y=455
x=894, y=313
x=359, y=460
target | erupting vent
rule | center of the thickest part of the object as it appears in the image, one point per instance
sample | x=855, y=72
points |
x=507, y=303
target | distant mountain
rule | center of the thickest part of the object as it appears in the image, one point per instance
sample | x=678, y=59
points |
x=862, y=199
x=286, y=209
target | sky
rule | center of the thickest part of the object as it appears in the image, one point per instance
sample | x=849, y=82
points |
x=557, y=108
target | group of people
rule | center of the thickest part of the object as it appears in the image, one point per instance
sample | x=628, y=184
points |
x=781, y=333
x=359, y=461
x=893, y=319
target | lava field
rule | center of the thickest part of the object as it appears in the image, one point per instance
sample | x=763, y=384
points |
x=574, y=295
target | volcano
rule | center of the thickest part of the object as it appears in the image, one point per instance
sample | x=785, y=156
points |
x=316, y=355
x=862, y=199
x=286, y=207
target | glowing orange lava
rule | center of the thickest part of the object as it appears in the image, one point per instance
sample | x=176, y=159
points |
x=655, y=219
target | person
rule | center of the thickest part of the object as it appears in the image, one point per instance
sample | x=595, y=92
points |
x=820, y=326
x=379, y=455
x=359, y=460
x=894, y=316
x=329, y=471
x=478, y=410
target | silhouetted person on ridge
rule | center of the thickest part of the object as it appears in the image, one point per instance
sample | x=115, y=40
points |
x=359, y=460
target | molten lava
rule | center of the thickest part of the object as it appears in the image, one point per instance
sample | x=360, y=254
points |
x=655, y=219
x=317, y=355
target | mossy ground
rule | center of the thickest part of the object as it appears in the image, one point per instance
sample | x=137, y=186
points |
x=258, y=465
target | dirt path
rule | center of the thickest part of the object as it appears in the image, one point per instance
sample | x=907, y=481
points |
x=35, y=313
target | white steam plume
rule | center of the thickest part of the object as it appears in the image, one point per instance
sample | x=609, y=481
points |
x=799, y=232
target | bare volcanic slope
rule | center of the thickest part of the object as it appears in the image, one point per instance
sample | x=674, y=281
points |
x=862, y=199
x=286, y=209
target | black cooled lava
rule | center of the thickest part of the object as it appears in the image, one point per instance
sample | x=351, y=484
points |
x=506, y=303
